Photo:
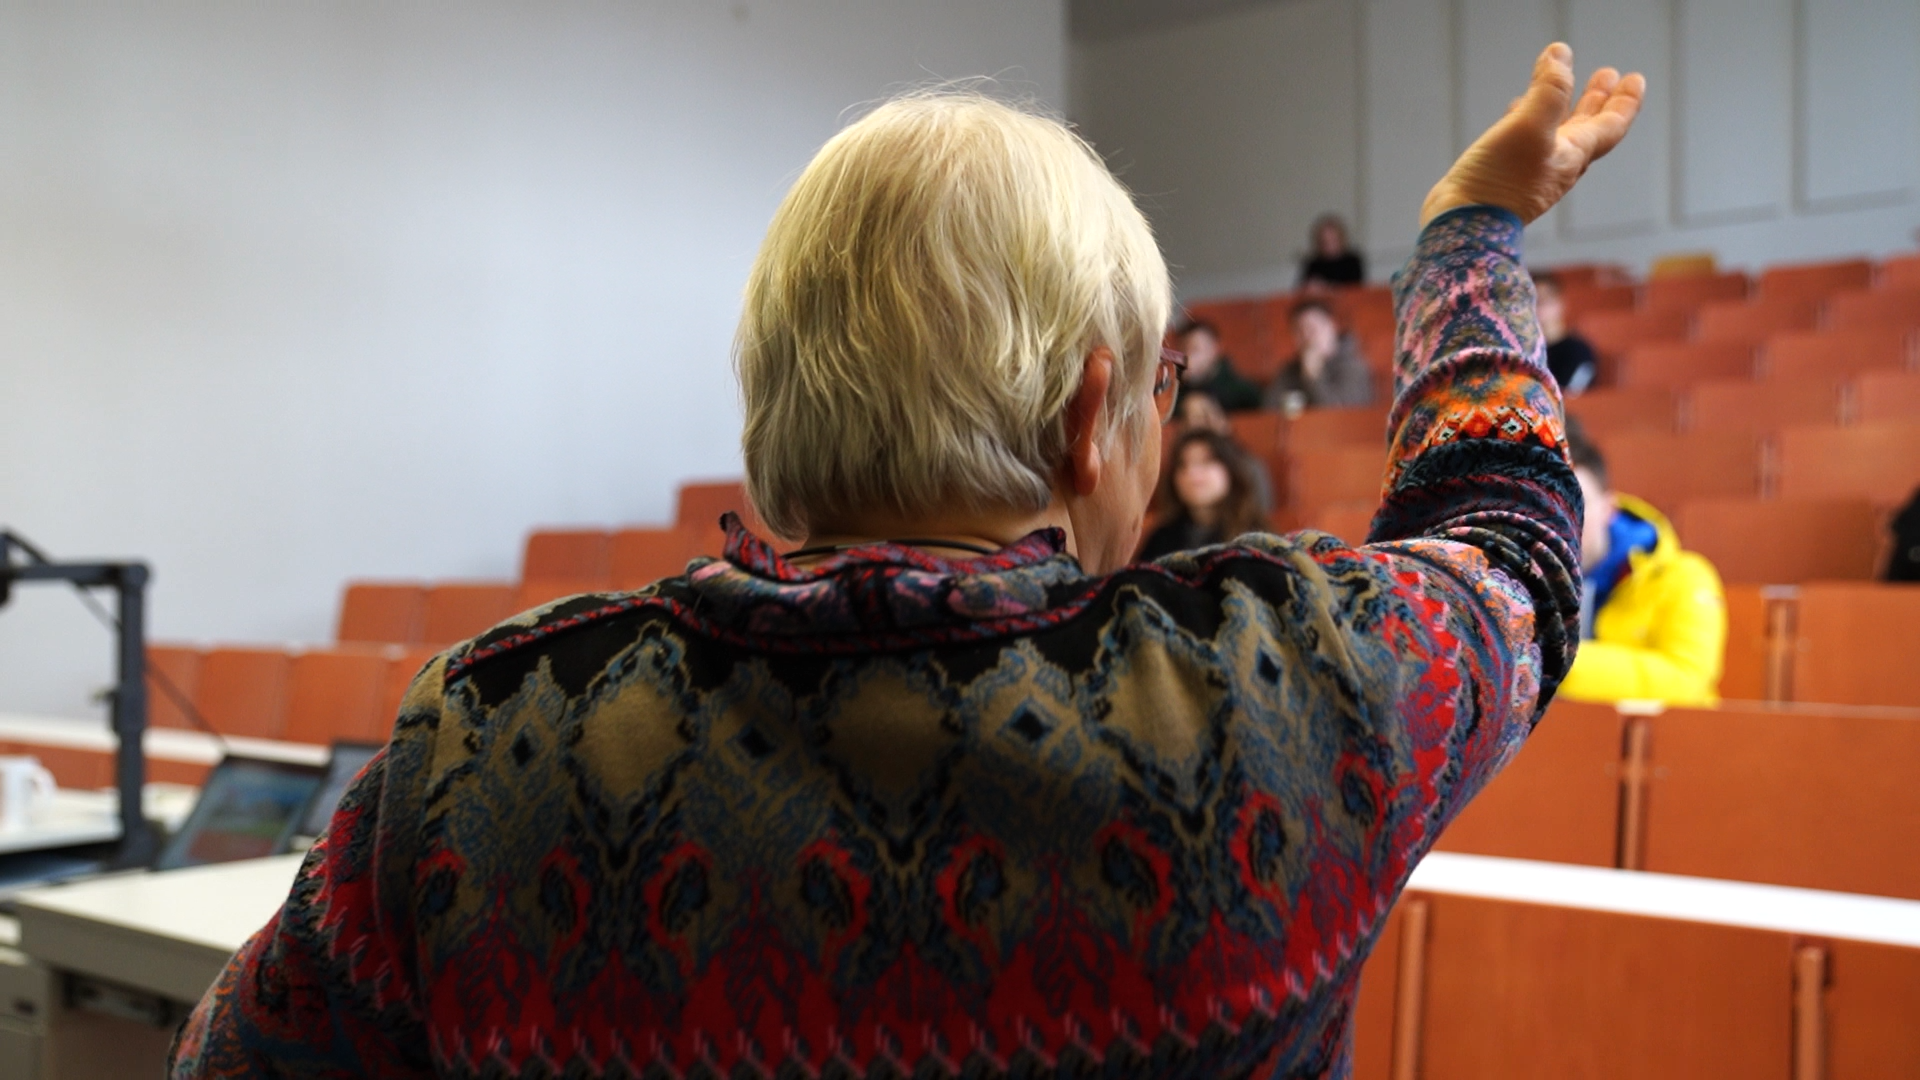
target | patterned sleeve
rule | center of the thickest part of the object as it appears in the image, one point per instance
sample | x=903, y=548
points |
x=327, y=987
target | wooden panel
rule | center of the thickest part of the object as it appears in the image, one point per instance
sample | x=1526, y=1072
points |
x=1875, y=461
x=1319, y=428
x=1616, y=410
x=457, y=611
x=1260, y=431
x=1835, y=353
x=1761, y=407
x=1340, y=475
x=1558, y=801
x=566, y=553
x=1687, y=293
x=1682, y=363
x=1872, y=994
x=1743, y=677
x=1898, y=308
x=1522, y=990
x=1861, y=75
x=1753, y=323
x=1373, y=1012
x=336, y=694
x=1886, y=395
x=1671, y=470
x=1784, y=542
x=1855, y=644
x=1820, y=799
x=1614, y=332
x=1733, y=110
x=378, y=612
x=644, y=556
x=1802, y=282
x=244, y=691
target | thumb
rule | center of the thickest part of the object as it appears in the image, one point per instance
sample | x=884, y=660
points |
x=1550, y=95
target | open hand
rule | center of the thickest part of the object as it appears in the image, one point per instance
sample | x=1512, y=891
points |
x=1531, y=157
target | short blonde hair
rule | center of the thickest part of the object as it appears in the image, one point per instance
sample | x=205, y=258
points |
x=922, y=308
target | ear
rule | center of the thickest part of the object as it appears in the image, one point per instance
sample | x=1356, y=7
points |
x=1086, y=411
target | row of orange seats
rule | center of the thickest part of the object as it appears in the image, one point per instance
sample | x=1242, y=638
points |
x=1256, y=333
x=294, y=695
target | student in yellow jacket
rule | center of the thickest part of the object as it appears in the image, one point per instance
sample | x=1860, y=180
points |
x=1653, y=616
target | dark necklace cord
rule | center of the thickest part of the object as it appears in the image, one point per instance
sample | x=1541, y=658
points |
x=910, y=541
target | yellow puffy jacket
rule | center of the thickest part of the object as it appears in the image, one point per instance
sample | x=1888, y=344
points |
x=1662, y=635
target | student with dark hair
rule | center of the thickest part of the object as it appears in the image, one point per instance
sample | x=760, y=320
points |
x=1210, y=371
x=1210, y=495
x=1326, y=369
x=1569, y=357
x=1332, y=260
x=1904, y=563
x=1653, y=616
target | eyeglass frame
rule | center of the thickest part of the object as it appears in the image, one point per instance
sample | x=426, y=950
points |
x=1177, y=361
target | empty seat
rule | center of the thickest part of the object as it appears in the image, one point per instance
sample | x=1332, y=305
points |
x=1320, y=428
x=1672, y=470
x=460, y=610
x=1259, y=431
x=1330, y=475
x=1348, y=521
x=642, y=556
x=539, y=592
x=1882, y=307
x=567, y=553
x=1682, y=363
x=1613, y=333
x=243, y=691
x=337, y=694
x=1877, y=461
x=173, y=674
x=401, y=671
x=1687, y=293
x=1753, y=323
x=1886, y=395
x=1618, y=410
x=1813, y=281
x=1585, y=300
x=1784, y=541
x=1900, y=273
x=1837, y=352
x=1760, y=407
x=1854, y=644
x=382, y=612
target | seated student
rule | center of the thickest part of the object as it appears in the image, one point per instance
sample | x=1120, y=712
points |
x=1210, y=371
x=1904, y=562
x=1569, y=357
x=1653, y=616
x=1333, y=261
x=1209, y=496
x=1326, y=370
x=1199, y=412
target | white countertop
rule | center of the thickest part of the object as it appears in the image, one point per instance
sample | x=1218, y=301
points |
x=93, y=817
x=166, y=744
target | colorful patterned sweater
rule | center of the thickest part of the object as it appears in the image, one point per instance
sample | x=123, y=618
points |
x=896, y=815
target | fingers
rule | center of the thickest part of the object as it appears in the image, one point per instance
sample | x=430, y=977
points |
x=1551, y=91
x=1598, y=88
x=1602, y=131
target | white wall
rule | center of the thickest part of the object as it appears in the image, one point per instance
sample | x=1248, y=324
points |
x=296, y=293
x=1775, y=130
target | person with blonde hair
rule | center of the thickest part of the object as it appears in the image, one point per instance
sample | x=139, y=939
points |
x=946, y=786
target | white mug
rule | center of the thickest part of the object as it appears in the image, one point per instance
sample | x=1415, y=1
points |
x=26, y=787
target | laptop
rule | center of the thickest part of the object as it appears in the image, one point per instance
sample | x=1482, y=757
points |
x=343, y=765
x=248, y=808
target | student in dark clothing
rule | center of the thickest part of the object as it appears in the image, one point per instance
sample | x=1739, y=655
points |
x=1210, y=371
x=1333, y=261
x=1569, y=357
x=1209, y=493
x=1326, y=371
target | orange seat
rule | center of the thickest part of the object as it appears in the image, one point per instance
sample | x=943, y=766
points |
x=1837, y=352
x=1813, y=281
x=1330, y=475
x=1613, y=333
x=337, y=694
x=1784, y=541
x=385, y=613
x=1322, y=428
x=1745, y=674
x=1886, y=395
x=1258, y=431
x=1883, y=307
x=1586, y=275
x=1688, y=293
x=539, y=592
x=1558, y=801
x=1760, y=407
x=1854, y=644
x=1358, y=305
x=243, y=691
x=1585, y=300
x=1682, y=363
x=1753, y=323
x=460, y=610
x=567, y=553
x=1617, y=410
x=1242, y=327
x=1899, y=273
x=1348, y=521
x=1879, y=461
x=644, y=556
x=401, y=671
x=1672, y=470
x=173, y=674
x=700, y=506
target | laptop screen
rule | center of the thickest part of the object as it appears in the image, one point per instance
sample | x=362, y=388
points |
x=345, y=764
x=248, y=808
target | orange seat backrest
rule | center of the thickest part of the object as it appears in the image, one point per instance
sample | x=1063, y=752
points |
x=1784, y=541
x=1880, y=307
x=698, y=509
x=1837, y=352
x=1341, y=474
x=1558, y=801
x=1349, y=521
x=1878, y=461
x=460, y=610
x=642, y=556
x=243, y=691
x=337, y=694
x=1243, y=329
x=580, y=554
x=382, y=613
x=1899, y=273
x=175, y=667
x=1749, y=655
x=1617, y=410
x=1813, y=281
x=1687, y=293
x=1257, y=432
x=1855, y=644
x=401, y=671
x=1682, y=363
x=1886, y=395
x=1753, y=323
x=1586, y=300
x=1760, y=407
x=1612, y=333
x=1318, y=429
x=539, y=592
x=1672, y=470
